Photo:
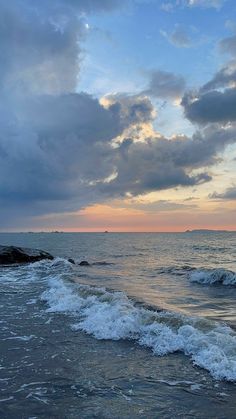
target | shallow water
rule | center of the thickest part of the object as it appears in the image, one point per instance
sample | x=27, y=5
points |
x=135, y=336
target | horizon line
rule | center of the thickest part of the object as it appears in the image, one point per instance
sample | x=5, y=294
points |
x=118, y=232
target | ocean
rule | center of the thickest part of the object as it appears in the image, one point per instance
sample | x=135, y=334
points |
x=147, y=330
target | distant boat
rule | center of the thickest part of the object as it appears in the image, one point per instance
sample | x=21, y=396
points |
x=106, y=231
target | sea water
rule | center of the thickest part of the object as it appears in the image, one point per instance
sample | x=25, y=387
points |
x=147, y=330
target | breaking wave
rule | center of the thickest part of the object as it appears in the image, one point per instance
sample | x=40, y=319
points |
x=213, y=276
x=175, y=270
x=112, y=315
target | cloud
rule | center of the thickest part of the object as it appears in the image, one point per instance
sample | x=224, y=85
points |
x=160, y=206
x=225, y=77
x=46, y=167
x=210, y=107
x=228, y=45
x=179, y=37
x=161, y=163
x=167, y=7
x=216, y=4
x=43, y=123
x=163, y=84
x=204, y=4
x=60, y=144
x=229, y=194
x=35, y=51
x=231, y=25
x=215, y=101
x=134, y=109
x=39, y=43
x=191, y=198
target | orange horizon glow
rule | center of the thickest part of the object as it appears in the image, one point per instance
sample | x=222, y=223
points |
x=106, y=217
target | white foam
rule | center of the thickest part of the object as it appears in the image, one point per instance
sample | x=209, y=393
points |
x=6, y=399
x=23, y=338
x=196, y=387
x=171, y=383
x=19, y=274
x=36, y=271
x=111, y=315
x=213, y=276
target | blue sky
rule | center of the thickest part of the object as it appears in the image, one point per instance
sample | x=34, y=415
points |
x=123, y=45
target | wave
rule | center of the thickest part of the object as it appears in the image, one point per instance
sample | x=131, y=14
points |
x=213, y=276
x=102, y=263
x=112, y=315
x=175, y=270
x=126, y=255
x=35, y=271
x=208, y=248
x=202, y=276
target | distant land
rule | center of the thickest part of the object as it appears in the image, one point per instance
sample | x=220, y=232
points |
x=205, y=230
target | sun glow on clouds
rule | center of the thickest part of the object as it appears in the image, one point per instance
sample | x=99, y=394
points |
x=104, y=217
x=144, y=214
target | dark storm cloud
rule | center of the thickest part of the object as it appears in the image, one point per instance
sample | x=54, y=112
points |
x=229, y=194
x=163, y=84
x=45, y=130
x=213, y=106
x=215, y=101
x=48, y=168
x=160, y=163
x=58, y=147
x=54, y=143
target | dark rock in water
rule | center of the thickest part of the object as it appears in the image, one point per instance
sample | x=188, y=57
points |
x=11, y=254
x=71, y=261
x=84, y=263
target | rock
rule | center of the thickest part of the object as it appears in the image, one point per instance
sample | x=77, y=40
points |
x=11, y=254
x=71, y=261
x=84, y=263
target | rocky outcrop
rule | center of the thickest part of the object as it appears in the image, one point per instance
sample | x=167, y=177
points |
x=11, y=254
x=84, y=263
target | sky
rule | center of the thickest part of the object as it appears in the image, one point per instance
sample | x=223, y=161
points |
x=117, y=115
